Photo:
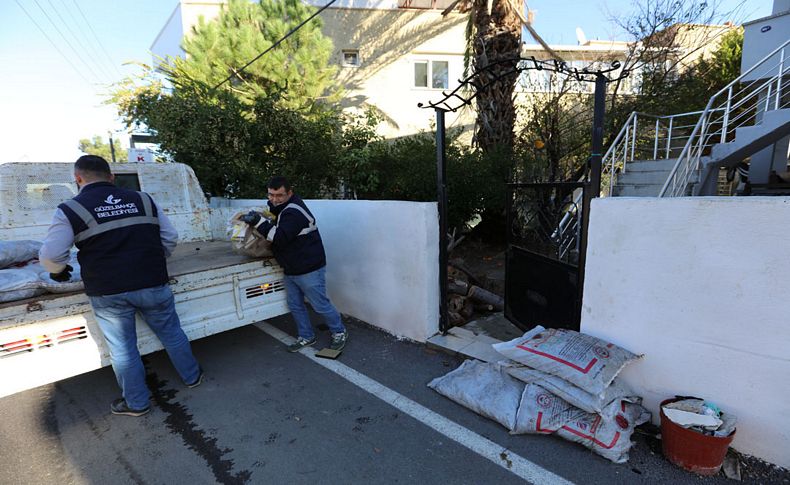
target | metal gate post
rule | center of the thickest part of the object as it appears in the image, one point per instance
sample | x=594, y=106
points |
x=441, y=199
x=597, y=134
x=593, y=188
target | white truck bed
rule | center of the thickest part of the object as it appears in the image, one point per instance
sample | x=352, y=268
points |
x=52, y=337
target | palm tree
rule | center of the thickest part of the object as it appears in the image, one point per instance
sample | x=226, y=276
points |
x=494, y=45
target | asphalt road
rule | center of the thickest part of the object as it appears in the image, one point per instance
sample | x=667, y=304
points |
x=263, y=415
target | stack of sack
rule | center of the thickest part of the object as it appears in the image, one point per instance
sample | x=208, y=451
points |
x=554, y=381
x=21, y=275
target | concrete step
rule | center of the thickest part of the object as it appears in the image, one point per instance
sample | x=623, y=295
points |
x=637, y=190
x=650, y=165
x=641, y=178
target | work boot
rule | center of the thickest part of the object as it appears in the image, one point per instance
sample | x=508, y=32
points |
x=301, y=343
x=338, y=340
x=120, y=407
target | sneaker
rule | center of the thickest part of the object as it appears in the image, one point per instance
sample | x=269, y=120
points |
x=120, y=407
x=338, y=340
x=301, y=343
x=198, y=381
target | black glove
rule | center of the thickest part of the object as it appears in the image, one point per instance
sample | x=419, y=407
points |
x=63, y=276
x=252, y=218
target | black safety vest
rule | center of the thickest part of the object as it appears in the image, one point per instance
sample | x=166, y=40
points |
x=117, y=234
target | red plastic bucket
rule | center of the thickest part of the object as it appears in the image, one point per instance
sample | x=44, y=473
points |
x=691, y=450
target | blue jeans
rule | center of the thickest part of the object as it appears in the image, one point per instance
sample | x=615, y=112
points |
x=313, y=286
x=115, y=316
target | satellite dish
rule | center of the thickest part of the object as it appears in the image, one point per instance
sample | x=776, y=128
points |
x=580, y=37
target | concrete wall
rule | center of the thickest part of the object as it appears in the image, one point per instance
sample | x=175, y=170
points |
x=700, y=286
x=382, y=260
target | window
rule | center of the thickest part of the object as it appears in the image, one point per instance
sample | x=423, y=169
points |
x=127, y=181
x=437, y=71
x=351, y=58
x=440, y=71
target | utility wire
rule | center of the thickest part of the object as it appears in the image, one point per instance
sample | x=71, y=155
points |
x=98, y=42
x=239, y=71
x=68, y=61
x=66, y=40
x=88, y=45
x=99, y=67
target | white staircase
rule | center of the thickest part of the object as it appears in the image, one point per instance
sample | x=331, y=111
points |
x=679, y=155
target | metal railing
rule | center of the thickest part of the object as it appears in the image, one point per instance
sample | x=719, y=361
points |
x=739, y=104
x=646, y=136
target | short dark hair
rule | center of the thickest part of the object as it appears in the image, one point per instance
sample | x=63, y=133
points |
x=279, y=181
x=93, y=165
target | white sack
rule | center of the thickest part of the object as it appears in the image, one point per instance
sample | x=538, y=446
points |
x=586, y=361
x=607, y=434
x=15, y=252
x=33, y=280
x=592, y=403
x=484, y=388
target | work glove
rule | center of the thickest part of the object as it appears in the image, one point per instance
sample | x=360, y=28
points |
x=63, y=276
x=252, y=218
x=258, y=221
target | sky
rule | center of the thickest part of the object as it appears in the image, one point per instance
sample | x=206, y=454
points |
x=59, y=58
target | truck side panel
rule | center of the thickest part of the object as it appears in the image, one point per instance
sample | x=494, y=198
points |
x=64, y=339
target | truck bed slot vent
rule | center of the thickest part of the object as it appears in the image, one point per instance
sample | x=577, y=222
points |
x=17, y=347
x=71, y=335
x=263, y=289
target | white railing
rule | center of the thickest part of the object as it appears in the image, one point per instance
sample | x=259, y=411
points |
x=737, y=105
x=646, y=136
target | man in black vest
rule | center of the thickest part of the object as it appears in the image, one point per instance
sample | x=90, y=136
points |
x=123, y=239
x=298, y=247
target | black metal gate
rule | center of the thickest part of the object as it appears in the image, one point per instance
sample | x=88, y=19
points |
x=545, y=254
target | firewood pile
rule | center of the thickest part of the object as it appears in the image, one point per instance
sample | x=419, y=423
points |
x=466, y=295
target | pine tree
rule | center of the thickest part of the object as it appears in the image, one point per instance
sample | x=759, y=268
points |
x=297, y=71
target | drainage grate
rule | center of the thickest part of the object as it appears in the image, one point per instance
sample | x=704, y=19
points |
x=40, y=342
x=263, y=289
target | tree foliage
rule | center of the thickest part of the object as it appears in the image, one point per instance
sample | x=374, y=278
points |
x=297, y=71
x=97, y=146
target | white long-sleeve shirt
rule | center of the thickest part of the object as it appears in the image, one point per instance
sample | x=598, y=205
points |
x=54, y=254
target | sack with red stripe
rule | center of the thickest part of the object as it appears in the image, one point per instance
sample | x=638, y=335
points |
x=607, y=434
x=583, y=360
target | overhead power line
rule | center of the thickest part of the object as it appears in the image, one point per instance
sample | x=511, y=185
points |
x=99, y=67
x=236, y=72
x=66, y=40
x=68, y=61
x=98, y=42
x=84, y=42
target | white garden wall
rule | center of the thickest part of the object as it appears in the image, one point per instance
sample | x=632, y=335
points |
x=701, y=286
x=382, y=260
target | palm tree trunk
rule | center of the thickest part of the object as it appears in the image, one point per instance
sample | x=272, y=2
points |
x=497, y=37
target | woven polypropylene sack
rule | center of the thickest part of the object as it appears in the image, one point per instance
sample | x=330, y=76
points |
x=586, y=361
x=484, y=388
x=16, y=252
x=607, y=434
x=19, y=283
x=591, y=403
